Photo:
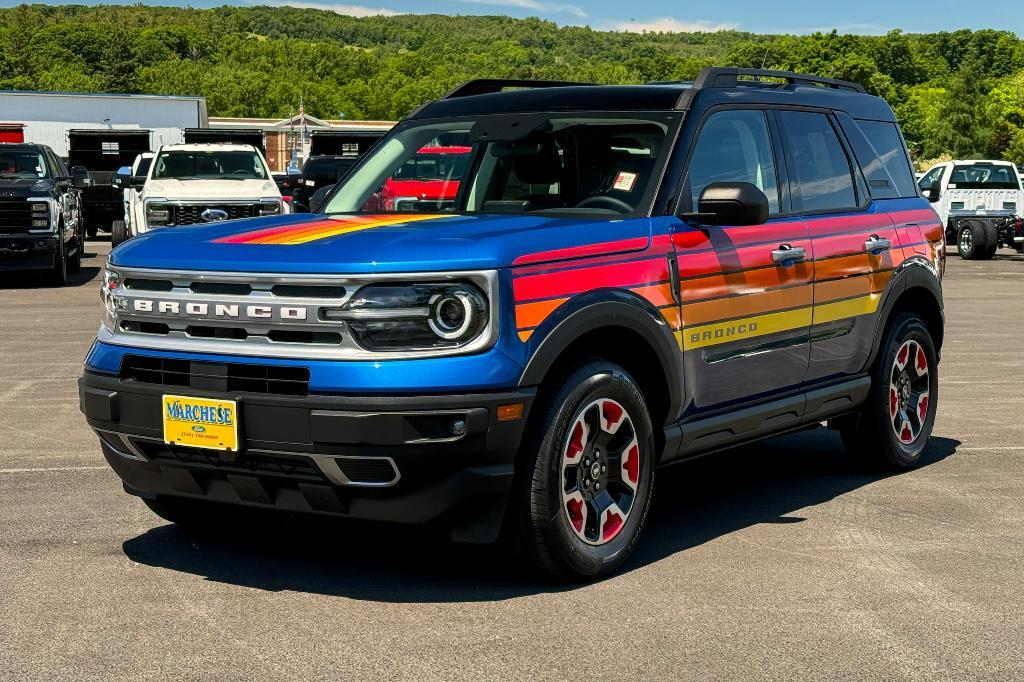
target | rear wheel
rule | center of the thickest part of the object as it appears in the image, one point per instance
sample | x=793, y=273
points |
x=894, y=425
x=118, y=233
x=75, y=261
x=91, y=230
x=972, y=240
x=585, y=485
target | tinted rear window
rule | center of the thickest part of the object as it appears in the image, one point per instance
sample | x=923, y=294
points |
x=819, y=171
x=984, y=176
x=885, y=138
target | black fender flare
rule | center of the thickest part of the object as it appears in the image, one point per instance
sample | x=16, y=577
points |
x=607, y=308
x=915, y=273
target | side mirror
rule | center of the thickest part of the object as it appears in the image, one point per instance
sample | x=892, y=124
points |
x=80, y=177
x=935, y=193
x=731, y=203
x=318, y=197
x=121, y=178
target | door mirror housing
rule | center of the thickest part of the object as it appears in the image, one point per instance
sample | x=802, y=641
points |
x=80, y=177
x=122, y=177
x=935, y=192
x=731, y=203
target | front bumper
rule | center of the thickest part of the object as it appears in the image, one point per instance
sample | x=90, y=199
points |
x=380, y=458
x=27, y=252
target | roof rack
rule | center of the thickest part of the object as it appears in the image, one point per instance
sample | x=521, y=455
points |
x=487, y=86
x=729, y=77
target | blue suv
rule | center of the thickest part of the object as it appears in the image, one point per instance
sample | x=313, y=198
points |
x=607, y=279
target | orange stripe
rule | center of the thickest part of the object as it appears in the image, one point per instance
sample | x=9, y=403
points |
x=747, y=282
x=857, y=264
x=658, y=294
x=532, y=314
x=524, y=336
x=310, y=228
x=672, y=317
x=741, y=306
x=852, y=286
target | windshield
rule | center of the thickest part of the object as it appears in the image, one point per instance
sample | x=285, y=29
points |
x=606, y=164
x=22, y=164
x=984, y=176
x=242, y=165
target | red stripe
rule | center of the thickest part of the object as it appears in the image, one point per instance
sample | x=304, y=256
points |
x=714, y=262
x=601, y=249
x=246, y=237
x=826, y=247
x=566, y=282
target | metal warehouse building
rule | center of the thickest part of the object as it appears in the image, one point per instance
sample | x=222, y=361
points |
x=48, y=116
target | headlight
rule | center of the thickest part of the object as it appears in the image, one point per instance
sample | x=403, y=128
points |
x=157, y=215
x=402, y=317
x=109, y=290
x=270, y=208
x=40, y=215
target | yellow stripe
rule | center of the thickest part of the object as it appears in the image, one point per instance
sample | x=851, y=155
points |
x=348, y=228
x=746, y=328
x=840, y=310
x=700, y=336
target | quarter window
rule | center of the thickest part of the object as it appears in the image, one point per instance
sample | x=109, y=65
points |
x=734, y=146
x=820, y=171
x=885, y=138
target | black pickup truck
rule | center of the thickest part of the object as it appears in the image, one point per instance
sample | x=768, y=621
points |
x=102, y=152
x=40, y=211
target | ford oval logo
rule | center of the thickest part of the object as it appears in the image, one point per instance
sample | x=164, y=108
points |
x=199, y=429
x=213, y=215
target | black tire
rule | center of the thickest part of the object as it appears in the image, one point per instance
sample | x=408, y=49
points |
x=75, y=261
x=540, y=508
x=872, y=435
x=118, y=233
x=59, y=271
x=991, y=240
x=972, y=240
x=91, y=230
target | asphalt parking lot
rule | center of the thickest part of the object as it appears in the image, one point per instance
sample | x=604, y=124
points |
x=778, y=561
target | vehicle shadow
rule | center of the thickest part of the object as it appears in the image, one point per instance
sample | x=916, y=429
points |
x=40, y=280
x=696, y=502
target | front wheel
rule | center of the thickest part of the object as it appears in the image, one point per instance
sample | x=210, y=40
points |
x=894, y=425
x=59, y=272
x=118, y=233
x=587, y=478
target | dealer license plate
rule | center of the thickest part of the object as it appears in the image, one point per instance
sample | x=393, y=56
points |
x=200, y=422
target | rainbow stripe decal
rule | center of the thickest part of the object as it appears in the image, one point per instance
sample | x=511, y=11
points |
x=303, y=233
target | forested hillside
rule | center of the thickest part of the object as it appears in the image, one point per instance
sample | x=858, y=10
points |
x=960, y=93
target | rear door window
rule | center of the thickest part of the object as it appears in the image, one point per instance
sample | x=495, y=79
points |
x=819, y=170
x=885, y=138
x=734, y=146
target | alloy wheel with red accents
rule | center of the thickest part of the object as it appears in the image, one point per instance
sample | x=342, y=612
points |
x=600, y=471
x=587, y=477
x=894, y=424
x=909, y=384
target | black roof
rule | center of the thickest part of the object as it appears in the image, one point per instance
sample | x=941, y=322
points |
x=713, y=86
x=22, y=146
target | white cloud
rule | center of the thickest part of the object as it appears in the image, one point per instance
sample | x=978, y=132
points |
x=349, y=10
x=534, y=6
x=670, y=25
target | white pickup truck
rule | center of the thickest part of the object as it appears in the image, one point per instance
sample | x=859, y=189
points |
x=191, y=184
x=979, y=202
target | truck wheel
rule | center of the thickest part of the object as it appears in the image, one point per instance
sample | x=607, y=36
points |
x=972, y=240
x=118, y=233
x=585, y=486
x=59, y=272
x=991, y=240
x=91, y=230
x=894, y=425
x=75, y=261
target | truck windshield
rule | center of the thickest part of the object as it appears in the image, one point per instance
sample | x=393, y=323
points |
x=603, y=164
x=984, y=176
x=22, y=164
x=205, y=165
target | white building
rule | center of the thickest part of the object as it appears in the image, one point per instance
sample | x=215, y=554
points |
x=49, y=115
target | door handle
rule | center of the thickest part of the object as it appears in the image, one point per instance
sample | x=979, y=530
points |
x=876, y=245
x=787, y=255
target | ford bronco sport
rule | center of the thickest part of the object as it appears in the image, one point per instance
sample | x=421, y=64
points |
x=627, y=277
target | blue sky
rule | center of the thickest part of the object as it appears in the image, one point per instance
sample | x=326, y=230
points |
x=758, y=16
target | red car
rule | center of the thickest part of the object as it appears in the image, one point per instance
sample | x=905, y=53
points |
x=430, y=180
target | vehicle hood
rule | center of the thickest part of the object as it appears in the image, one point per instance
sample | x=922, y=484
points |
x=187, y=190
x=22, y=188
x=305, y=243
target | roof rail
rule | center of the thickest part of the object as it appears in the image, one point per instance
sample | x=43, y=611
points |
x=487, y=86
x=728, y=77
